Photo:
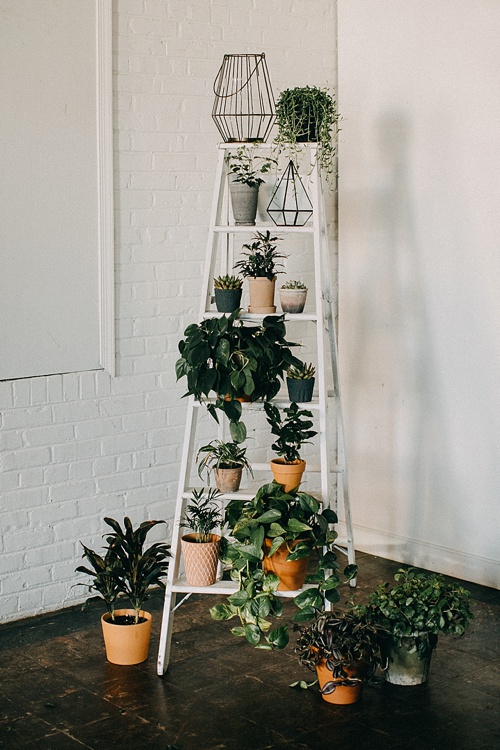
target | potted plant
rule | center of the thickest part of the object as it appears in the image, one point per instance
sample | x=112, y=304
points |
x=308, y=114
x=227, y=461
x=293, y=295
x=414, y=612
x=227, y=293
x=126, y=570
x=274, y=524
x=244, y=170
x=231, y=360
x=200, y=548
x=292, y=431
x=300, y=382
x=260, y=267
x=343, y=649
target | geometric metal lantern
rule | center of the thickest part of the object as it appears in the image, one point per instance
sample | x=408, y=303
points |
x=244, y=104
x=290, y=205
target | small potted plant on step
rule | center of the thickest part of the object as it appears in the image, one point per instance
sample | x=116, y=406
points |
x=414, y=612
x=200, y=549
x=300, y=382
x=260, y=267
x=227, y=461
x=227, y=293
x=244, y=170
x=292, y=431
x=343, y=648
x=127, y=570
x=293, y=295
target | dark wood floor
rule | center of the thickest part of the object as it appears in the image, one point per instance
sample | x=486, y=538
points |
x=58, y=692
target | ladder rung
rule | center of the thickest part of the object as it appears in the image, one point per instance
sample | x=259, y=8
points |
x=224, y=587
x=246, y=229
x=255, y=317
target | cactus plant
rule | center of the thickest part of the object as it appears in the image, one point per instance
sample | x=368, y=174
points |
x=294, y=284
x=227, y=282
x=304, y=372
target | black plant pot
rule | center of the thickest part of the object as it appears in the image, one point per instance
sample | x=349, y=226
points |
x=227, y=300
x=300, y=391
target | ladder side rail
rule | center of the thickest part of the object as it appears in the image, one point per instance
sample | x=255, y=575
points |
x=215, y=217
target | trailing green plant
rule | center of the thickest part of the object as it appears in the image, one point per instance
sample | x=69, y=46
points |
x=304, y=372
x=224, y=357
x=204, y=513
x=419, y=607
x=304, y=114
x=222, y=455
x=245, y=166
x=294, y=285
x=292, y=431
x=261, y=256
x=127, y=569
x=227, y=282
x=294, y=519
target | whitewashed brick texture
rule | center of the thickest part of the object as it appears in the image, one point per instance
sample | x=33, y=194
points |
x=77, y=447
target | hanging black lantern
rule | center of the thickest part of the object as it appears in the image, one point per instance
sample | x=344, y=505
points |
x=290, y=205
x=244, y=104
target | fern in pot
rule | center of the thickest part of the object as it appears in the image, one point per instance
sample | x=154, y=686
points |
x=200, y=548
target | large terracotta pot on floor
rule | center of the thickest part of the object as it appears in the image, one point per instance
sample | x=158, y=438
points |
x=342, y=694
x=289, y=475
x=200, y=559
x=292, y=573
x=126, y=644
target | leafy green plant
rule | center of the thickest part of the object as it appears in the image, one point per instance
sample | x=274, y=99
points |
x=245, y=166
x=204, y=514
x=222, y=455
x=306, y=114
x=294, y=285
x=227, y=282
x=292, y=430
x=294, y=519
x=261, y=256
x=127, y=568
x=224, y=357
x=304, y=372
x=418, y=608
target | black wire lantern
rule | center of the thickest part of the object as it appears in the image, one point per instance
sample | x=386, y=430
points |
x=290, y=205
x=244, y=104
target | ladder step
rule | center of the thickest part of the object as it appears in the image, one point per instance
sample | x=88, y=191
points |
x=256, y=317
x=224, y=587
x=247, y=229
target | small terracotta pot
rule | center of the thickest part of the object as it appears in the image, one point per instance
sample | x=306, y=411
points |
x=289, y=475
x=261, y=295
x=200, y=559
x=126, y=644
x=343, y=694
x=292, y=573
x=228, y=480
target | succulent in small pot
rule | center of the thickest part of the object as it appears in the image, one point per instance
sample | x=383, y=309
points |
x=227, y=461
x=300, y=382
x=293, y=296
x=129, y=571
x=414, y=612
x=200, y=549
x=292, y=430
x=227, y=292
x=260, y=265
x=344, y=650
x=244, y=170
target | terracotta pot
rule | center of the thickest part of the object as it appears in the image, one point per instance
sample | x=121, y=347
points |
x=126, y=644
x=244, y=200
x=261, y=295
x=342, y=694
x=292, y=573
x=293, y=300
x=228, y=480
x=403, y=667
x=242, y=399
x=289, y=475
x=200, y=559
x=300, y=391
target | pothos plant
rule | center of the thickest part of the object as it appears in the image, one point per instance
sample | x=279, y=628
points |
x=283, y=517
x=223, y=360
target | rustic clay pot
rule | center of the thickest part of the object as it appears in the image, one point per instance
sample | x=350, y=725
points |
x=126, y=644
x=292, y=573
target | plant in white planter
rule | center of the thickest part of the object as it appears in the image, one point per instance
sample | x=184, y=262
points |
x=260, y=267
x=227, y=461
x=244, y=170
x=200, y=548
x=293, y=296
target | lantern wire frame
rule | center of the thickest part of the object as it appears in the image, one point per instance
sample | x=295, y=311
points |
x=290, y=205
x=243, y=109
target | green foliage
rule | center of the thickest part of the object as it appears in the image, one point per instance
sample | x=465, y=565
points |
x=304, y=372
x=227, y=282
x=283, y=517
x=127, y=568
x=245, y=166
x=221, y=455
x=294, y=285
x=204, y=513
x=293, y=430
x=420, y=606
x=260, y=260
x=222, y=356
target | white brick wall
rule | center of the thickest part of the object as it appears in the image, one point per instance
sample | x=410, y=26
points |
x=76, y=447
